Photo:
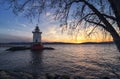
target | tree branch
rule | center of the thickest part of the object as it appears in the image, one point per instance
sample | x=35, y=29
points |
x=110, y=17
x=108, y=27
x=21, y=8
x=79, y=22
x=99, y=24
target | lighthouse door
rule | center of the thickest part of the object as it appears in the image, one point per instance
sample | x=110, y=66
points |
x=36, y=41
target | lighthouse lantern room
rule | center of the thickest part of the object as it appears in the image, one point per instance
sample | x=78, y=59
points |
x=37, y=44
x=37, y=35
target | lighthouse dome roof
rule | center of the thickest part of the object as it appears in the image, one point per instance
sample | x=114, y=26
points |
x=37, y=28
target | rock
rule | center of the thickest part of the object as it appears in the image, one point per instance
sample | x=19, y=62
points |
x=48, y=48
x=26, y=75
x=105, y=78
x=18, y=48
x=4, y=75
x=56, y=76
x=78, y=77
x=65, y=77
x=15, y=75
x=49, y=76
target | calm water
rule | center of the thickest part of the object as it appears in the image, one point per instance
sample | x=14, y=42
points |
x=89, y=61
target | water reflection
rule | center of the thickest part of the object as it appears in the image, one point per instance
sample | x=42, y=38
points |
x=36, y=62
x=36, y=57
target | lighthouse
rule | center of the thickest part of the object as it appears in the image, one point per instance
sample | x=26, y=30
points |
x=37, y=44
x=37, y=35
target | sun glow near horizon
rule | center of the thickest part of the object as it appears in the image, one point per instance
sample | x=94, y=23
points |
x=53, y=34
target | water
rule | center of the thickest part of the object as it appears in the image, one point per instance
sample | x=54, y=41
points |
x=90, y=61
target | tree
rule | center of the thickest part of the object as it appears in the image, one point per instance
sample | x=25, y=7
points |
x=98, y=13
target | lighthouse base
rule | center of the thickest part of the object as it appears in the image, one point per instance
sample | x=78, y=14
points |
x=37, y=46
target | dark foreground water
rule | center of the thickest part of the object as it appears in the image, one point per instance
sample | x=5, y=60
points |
x=90, y=61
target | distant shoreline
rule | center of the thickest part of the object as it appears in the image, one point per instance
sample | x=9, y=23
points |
x=48, y=43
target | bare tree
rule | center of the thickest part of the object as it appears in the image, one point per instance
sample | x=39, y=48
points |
x=75, y=13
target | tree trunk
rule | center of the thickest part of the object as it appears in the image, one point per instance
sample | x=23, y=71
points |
x=115, y=4
x=116, y=39
x=108, y=27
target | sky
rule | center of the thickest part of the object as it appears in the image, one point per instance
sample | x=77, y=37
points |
x=19, y=29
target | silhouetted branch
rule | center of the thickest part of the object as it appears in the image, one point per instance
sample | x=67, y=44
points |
x=110, y=17
x=99, y=23
x=83, y=18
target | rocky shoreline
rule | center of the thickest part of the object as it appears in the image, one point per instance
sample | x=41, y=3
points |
x=19, y=48
x=25, y=75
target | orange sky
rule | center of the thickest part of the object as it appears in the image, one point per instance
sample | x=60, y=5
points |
x=53, y=34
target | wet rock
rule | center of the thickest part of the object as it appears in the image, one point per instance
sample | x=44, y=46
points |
x=15, y=75
x=18, y=48
x=49, y=76
x=4, y=75
x=56, y=76
x=48, y=48
x=78, y=77
x=65, y=77
x=105, y=78
x=27, y=75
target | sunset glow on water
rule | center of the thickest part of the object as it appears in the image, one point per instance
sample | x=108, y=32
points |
x=89, y=61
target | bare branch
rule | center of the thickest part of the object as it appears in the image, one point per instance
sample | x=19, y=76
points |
x=79, y=22
x=110, y=17
x=108, y=27
x=93, y=29
x=96, y=23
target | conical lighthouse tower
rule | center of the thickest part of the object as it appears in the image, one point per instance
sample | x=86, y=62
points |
x=37, y=44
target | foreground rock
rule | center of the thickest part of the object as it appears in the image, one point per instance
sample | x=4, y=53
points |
x=15, y=75
x=25, y=75
x=57, y=76
x=26, y=48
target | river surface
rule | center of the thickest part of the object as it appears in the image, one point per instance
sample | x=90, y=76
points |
x=89, y=61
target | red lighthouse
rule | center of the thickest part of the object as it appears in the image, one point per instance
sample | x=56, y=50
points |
x=37, y=44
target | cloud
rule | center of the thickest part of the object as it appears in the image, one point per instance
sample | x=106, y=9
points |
x=48, y=14
x=54, y=34
x=24, y=25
